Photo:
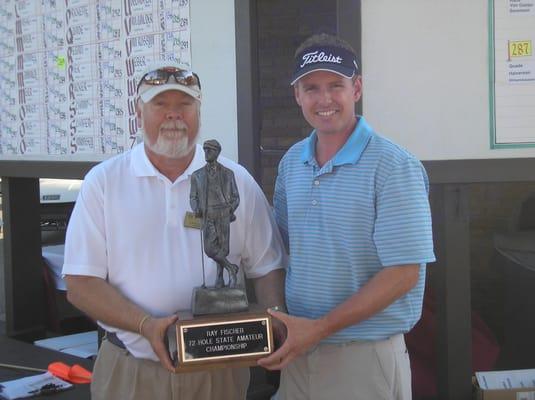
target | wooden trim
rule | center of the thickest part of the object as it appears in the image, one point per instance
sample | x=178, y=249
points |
x=247, y=76
x=45, y=169
x=25, y=296
x=348, y=27
x=480, y=171
x=451, y=283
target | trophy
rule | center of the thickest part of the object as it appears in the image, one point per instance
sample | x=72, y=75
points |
x=221, y=330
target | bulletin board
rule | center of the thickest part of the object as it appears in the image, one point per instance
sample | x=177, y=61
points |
x=512, y=83
x=69, y=70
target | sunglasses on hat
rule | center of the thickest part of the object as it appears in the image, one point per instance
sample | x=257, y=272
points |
x=161, y=77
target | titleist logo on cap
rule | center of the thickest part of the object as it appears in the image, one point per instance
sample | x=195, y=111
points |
x=320, y=56
x=339, y=60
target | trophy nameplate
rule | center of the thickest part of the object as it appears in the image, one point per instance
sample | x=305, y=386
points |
x=217, y=341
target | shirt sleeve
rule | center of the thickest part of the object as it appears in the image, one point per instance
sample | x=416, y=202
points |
x=85, y=242
x=264, y=250
x=403, y=231
x=280, y=207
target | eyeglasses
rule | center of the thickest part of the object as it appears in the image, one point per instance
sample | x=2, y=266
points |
x=161, y=77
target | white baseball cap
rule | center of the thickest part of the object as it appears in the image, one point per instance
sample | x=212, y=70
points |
x=162, y=76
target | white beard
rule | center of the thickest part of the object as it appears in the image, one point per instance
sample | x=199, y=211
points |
x=172, y=141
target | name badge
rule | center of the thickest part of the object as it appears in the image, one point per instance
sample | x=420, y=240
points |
x=191, y=221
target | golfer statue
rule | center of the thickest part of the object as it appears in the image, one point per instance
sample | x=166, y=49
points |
x=214, y=198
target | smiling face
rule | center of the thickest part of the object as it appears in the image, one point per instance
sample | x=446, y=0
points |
x=328, y=101
x=170, y=124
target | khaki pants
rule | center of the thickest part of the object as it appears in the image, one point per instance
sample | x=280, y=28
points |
x=119, y=375
x=357, y=370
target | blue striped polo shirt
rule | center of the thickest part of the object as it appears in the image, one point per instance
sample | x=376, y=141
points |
x=364, y=210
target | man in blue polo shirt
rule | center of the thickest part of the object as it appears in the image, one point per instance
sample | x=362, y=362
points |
x=353, y=209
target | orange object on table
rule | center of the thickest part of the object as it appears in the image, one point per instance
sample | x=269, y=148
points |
x=74, y=374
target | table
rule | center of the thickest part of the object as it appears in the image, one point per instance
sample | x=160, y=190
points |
x=20, y=353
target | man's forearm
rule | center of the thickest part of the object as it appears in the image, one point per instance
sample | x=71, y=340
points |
x=101, y=301
x=382, y=290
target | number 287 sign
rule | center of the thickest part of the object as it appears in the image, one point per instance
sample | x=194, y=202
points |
x=519, y=48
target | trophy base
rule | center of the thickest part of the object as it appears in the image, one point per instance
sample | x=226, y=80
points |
x=222, y=341
x=210, y=301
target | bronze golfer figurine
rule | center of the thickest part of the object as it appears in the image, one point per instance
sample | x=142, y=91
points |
x=214, y=198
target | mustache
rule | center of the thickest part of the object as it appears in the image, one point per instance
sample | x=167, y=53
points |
x=174, y=126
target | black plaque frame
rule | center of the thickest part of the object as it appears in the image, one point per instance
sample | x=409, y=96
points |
x=188, y=363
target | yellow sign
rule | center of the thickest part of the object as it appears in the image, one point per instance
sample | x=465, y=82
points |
x=60, y=62
x=520, y=48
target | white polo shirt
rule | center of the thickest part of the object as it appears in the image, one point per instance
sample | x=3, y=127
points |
x=128, y=227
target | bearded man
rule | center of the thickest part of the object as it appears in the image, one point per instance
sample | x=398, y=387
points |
x=132, y=260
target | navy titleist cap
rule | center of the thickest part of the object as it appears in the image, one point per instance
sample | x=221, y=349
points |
x=325, y=58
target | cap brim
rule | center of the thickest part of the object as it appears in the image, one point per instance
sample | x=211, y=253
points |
x=155, y=90
x=340, y=70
